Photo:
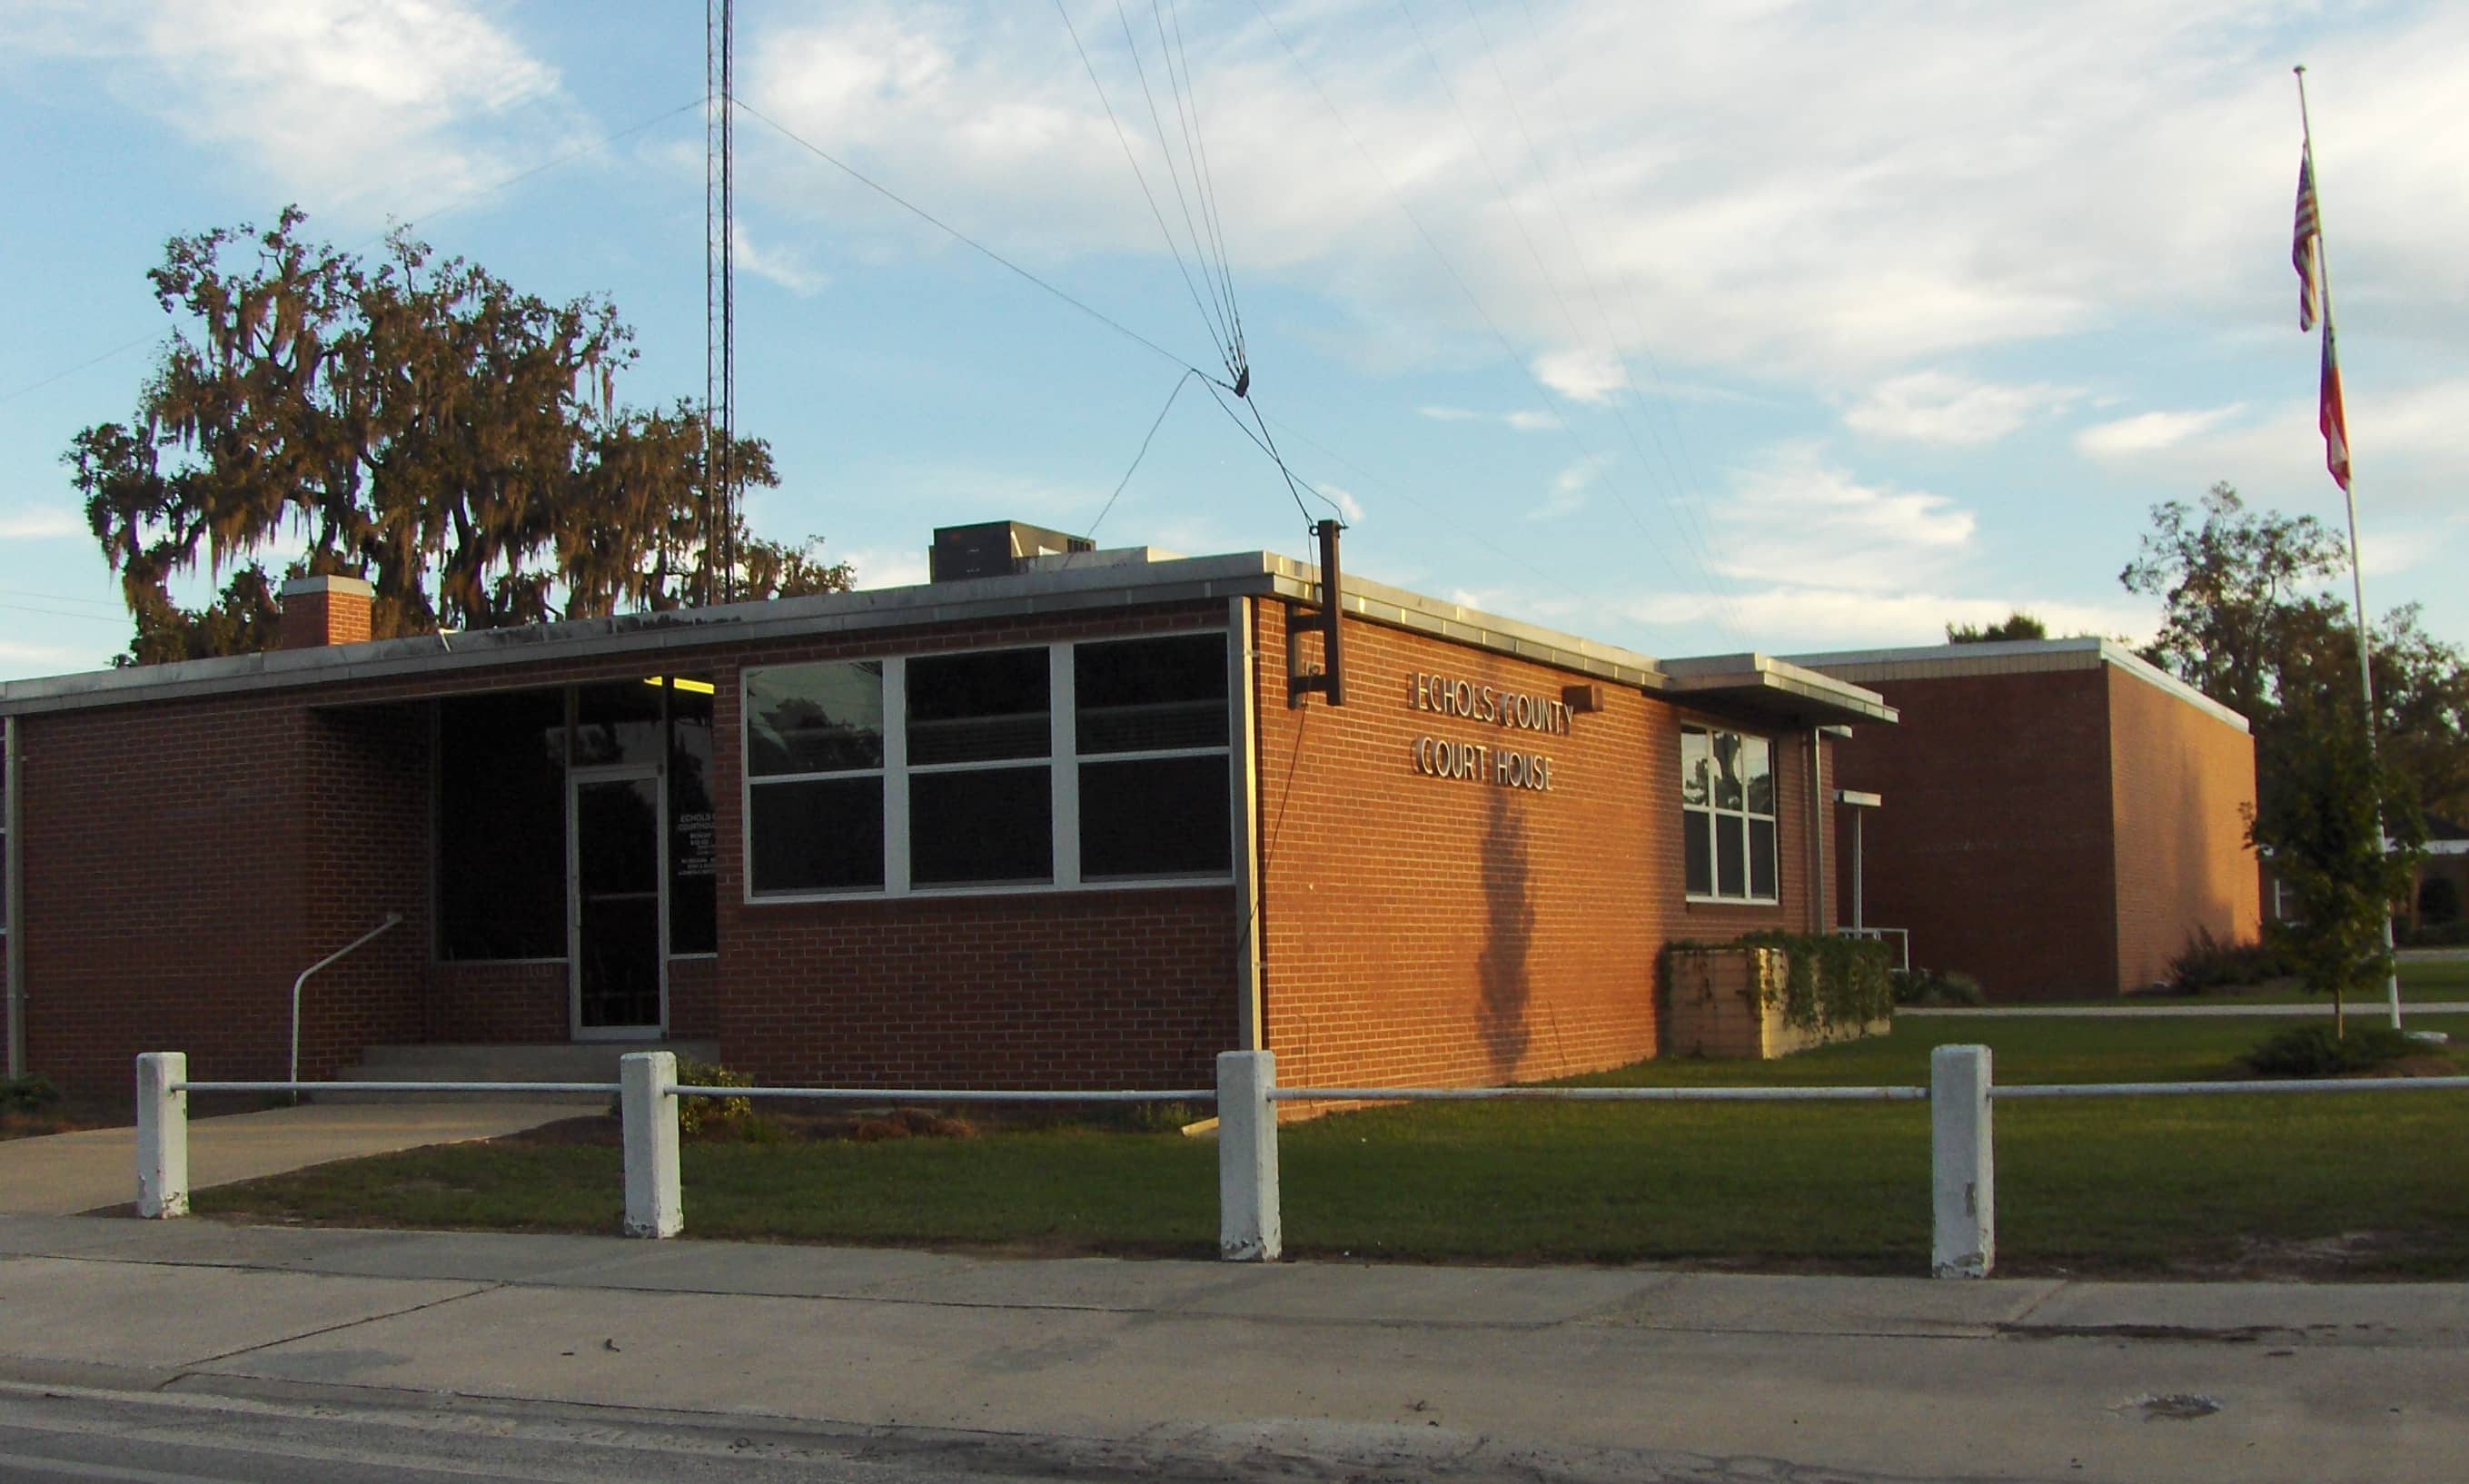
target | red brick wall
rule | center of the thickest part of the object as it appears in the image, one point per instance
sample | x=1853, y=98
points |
x=1994, y=846
x=1422, y=931
x=165, y=900
x=363, y=790
x=2183, y=782
x=187, y=859
x=498, y=1003
x=1097, y=989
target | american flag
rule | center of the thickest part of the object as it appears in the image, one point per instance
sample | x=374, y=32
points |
x=2331, y=418
x=2301, y=247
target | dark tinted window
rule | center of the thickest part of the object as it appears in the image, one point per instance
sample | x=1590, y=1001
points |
x=1150, y=695
x=1154, y=817
x=979, y=708
x=501, y=826
x=1700, y=845
x=980, y=825
x=818, y=834
x=814, y=718
x=694, y=859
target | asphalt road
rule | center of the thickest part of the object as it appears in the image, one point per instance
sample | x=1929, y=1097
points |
x=64, y=1433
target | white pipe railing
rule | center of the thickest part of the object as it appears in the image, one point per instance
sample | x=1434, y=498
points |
x=1961, y=1095
x=392, y=918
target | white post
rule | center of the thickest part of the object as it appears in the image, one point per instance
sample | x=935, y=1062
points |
x=1963, y=1187
x=648, y=1102
x=1249, y=1230
x=162, y=1134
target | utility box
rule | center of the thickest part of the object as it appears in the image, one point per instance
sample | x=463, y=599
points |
x=993, y=548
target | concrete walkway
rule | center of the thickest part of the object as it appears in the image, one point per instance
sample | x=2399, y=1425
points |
x=1296, y=1370
x=64, y=1174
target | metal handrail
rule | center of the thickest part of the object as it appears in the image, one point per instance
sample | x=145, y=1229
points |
x=392, y=918
x=1599, y=1095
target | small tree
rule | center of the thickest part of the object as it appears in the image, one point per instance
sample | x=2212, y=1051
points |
x=2327, y=832
x=2017, y=624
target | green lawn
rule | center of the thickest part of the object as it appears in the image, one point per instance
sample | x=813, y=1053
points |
x=2426, y=979
x=2191, y=1185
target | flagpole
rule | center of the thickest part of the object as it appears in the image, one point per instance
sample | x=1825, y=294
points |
x=2349, y=492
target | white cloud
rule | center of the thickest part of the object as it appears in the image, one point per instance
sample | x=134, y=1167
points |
x=2149, y=432
x=1794, y=518
x=1585, y=375
x=1807, y=188
x=1948, y=410
x=41, y=523
x=879, y=568
x=1347, y=504
x=788, y=269
x=1524, y=420
x=1570, y=486
x=1783, y=620
x=389, y=103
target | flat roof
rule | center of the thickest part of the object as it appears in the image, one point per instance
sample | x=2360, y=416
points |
x=1078, y=583
x=2010, y=657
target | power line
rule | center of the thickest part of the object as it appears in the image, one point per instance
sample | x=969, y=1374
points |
x=1695, y=479
x=1517, y=220
x=929, y=217
x=1180, y=382
x=1447, y=264
x=1171, y=246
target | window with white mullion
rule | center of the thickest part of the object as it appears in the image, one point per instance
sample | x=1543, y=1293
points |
x=1050, y=766
x=980, y=772
x=1727, y=815
x=1153, y=739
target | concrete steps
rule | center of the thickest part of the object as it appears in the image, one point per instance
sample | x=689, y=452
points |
x=575, y=1061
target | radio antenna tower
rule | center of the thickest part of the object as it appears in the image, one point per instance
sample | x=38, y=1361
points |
x=718, y=308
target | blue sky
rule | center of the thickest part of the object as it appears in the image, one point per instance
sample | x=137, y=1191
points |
x=1689, y=327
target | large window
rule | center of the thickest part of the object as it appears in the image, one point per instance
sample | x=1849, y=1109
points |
x=501, y=807
x=501, y=826
x=1051, y=766
x=1727, y=816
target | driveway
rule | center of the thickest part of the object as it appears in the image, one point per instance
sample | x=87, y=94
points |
x=64, y=1174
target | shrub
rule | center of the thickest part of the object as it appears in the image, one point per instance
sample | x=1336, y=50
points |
x=31, y=1093
x=1832, y=981
x=1936, y=988
x=702, y=1116
x=2208, y=964
x=2438, y=902
x=2322, y=1051
x=2446, y=935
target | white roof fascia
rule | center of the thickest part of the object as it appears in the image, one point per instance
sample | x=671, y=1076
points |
x=2012, y=656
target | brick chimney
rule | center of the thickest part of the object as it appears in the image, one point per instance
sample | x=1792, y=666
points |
x=323, y=610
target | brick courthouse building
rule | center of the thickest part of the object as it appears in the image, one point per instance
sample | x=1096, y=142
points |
x=1067, y=825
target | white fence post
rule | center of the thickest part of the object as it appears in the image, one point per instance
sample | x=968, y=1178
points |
x=162, y=1134
x=1963, y=1185
x=648, y=1101
x=1249, y=1230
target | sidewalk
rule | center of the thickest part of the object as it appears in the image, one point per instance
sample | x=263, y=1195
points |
x=1295, y=1369
x=64, y=1174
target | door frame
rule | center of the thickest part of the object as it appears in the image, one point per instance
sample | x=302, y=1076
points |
x=576, y=780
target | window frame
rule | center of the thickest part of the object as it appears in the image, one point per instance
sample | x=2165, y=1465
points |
x=1714, y=813
x=1062, y=760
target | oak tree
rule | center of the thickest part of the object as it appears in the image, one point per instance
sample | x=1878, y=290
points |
x=408, y=419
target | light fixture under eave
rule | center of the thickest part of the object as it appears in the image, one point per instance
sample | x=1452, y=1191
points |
x=681, y=682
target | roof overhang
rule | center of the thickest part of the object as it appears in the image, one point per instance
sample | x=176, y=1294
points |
x=1763, y=688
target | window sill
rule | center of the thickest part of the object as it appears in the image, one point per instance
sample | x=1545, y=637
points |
x=1733, y=901
x=1041, y=889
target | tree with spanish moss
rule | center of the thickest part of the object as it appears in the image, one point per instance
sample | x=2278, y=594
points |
x=408, y=419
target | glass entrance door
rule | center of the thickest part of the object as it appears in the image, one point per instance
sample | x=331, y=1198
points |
x=619, y=901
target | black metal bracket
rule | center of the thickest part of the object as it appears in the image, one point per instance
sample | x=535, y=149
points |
x=1330, y=679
